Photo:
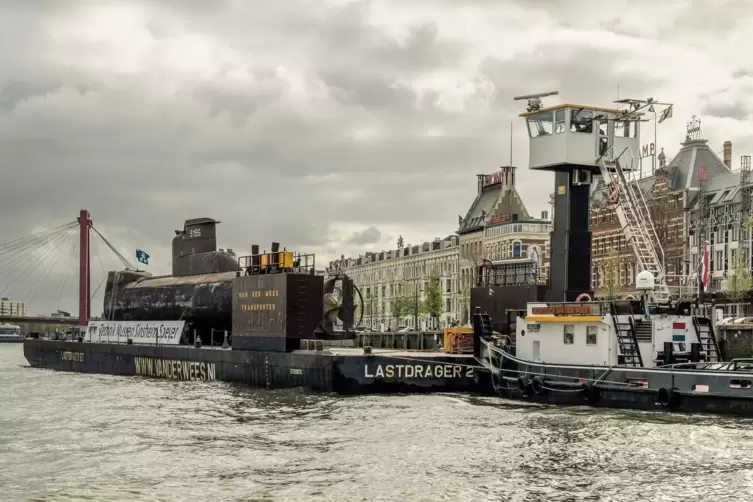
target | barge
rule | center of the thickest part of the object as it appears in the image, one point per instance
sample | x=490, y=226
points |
x=265, y=320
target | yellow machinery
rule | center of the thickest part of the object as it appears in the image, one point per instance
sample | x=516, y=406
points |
x=458, y=340
x=284, y=259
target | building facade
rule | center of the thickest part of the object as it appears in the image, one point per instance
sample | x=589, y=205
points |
x=10, y=308
x=498, y=228
x=404, y=272
x=673, y=195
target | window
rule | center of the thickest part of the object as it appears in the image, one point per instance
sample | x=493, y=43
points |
x=559, y=121
x=581, y=121
x=590, y=335
x=448, y=305
x=620, y=131
x=541, y=124
x=569, y=330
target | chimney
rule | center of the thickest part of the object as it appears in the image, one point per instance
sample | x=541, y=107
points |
x=728, y=154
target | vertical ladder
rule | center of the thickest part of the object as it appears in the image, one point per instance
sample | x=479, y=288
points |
x=707, y=338
x=627, y=342
x=635, y=219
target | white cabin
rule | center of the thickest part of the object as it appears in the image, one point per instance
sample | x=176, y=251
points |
x=587, y=334
x=576, y=135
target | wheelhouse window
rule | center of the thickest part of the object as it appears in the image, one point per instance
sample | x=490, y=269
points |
x=569, y=334
x=590, y=335
x=581, y=121
x=541, y=124
x=625, y=129
x=559, y=121
x=603, y=136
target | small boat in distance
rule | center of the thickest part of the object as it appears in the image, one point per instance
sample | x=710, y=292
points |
x=10, y=333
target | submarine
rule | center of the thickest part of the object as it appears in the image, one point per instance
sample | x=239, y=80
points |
x=266, y=320
x=200, y=289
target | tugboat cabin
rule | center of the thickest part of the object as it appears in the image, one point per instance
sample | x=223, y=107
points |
x=615, y=333
x=572, y=136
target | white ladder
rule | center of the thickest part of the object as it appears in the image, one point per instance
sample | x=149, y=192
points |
x=635, y=219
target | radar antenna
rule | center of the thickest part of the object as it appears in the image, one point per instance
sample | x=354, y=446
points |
x=534, y=100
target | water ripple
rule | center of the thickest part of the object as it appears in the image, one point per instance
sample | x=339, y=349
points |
x=98, y=437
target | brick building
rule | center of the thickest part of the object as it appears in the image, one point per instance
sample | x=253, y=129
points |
x=671, y=195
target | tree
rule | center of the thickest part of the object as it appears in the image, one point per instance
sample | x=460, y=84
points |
x=738, y=282
x=433, y=302
x=611, y=277
x=407, y=303
x=399, y=307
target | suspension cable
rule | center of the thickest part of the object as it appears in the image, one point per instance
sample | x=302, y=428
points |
x=69, y=243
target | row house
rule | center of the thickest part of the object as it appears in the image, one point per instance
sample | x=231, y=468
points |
x=382, y=276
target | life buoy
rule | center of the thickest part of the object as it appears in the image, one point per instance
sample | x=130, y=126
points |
x=537, y=386
x=522, y=384
x=666, y=397
x=590, y=393
x=583, y=297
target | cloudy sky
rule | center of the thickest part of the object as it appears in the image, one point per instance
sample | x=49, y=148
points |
x=330, y=126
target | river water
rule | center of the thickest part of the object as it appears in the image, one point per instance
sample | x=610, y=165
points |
x=66, y=436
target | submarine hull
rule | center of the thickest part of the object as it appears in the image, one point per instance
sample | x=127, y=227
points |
x=204, y=301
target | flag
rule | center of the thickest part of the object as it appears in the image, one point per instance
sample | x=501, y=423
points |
x=142, y=257
x=666, y=114
x=703, y=270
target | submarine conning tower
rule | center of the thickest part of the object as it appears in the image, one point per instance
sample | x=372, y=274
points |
x=277, y=300
x=195, y=250
x=576, y=142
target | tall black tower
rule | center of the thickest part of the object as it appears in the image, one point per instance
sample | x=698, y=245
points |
x=570, y=140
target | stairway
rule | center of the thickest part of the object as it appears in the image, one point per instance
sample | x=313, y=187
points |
x=635, y=219
x=627, y=342
x=707, y=339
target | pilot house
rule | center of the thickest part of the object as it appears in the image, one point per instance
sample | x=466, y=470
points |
x=573, y=135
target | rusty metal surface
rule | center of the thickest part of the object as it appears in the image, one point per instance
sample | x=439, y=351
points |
x=496, y=300
x=277, y=305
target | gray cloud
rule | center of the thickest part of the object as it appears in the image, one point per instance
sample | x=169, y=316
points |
x=370, y=235
x=287, y=121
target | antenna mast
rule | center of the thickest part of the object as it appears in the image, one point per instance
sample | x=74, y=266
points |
x=534, y=100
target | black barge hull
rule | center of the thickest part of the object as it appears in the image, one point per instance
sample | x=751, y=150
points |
x=321, y=371
x=640, y=400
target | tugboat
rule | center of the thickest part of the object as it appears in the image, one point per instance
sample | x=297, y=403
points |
x=654, y=353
